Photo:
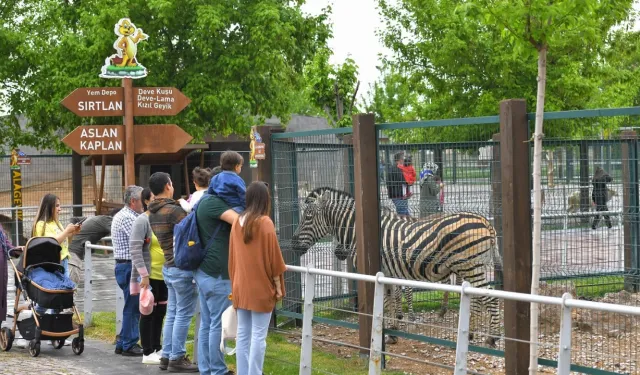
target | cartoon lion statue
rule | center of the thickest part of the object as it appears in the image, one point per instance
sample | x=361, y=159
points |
x=124, y=63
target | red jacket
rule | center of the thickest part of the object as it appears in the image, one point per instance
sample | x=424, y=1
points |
x=409, y=173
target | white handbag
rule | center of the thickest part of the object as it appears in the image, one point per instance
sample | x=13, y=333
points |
x=229, y=329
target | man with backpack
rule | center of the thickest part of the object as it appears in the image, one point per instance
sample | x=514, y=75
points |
x=214, y=219
x=164, y=214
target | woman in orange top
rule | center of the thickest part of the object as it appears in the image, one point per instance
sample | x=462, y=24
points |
x=255, y=269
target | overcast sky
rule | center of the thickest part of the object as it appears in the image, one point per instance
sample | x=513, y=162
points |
x=355, y=23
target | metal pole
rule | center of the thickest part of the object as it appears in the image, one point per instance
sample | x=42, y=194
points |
x=462, y=348
x=565, y=226
x=307, y=320
x=17, y=230
x=564, y=350
x=88, y=287
x=119, y=309
x=196, y=332
x=375, y=356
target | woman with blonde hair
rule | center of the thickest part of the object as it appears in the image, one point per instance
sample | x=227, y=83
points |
x=256, y=269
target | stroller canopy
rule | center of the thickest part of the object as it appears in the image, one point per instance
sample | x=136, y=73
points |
x=40, y=250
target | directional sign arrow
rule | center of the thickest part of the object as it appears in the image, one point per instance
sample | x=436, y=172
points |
x=159, y=139
x=158, y=101
x=96, y=139
x=95, y=101
x=109, y=139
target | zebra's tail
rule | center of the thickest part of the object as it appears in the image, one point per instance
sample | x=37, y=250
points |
x=495, y=251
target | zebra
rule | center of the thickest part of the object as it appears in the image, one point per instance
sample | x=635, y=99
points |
x=430, y=249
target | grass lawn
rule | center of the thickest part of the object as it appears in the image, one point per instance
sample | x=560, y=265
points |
x=282, y=357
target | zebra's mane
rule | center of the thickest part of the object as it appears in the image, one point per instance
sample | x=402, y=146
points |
x=315, y=193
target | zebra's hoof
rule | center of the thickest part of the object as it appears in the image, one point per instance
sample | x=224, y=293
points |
x=399, y=316
x=412, y=318
x=470, y=336
x=391, y=340
x=491, y=342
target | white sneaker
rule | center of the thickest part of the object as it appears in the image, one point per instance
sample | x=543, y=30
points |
x=151, y=359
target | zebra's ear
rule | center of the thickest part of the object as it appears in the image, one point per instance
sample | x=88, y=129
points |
x=322, y=199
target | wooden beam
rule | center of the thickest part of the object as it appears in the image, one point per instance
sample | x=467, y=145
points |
x=516, y=226
x=367, y=218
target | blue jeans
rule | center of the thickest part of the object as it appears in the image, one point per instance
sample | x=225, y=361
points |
x=181, y=306
x=402, y=206
x=129, y=335
x=214, y=300
x=251, y=342
x=41, y=310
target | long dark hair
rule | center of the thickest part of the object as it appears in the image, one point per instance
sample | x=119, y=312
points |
x=258, y=205
x=145, y=196
x=46, y=212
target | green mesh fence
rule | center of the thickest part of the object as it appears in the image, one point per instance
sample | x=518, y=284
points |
x=303, y=162
x=447, y=167
x=458, y=170
x=590, y=232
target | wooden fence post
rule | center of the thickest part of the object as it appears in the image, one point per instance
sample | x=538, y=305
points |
x=516, y=227
x=367, y=218
x=630, y=202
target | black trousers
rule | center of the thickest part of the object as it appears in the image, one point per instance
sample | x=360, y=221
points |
x=151, y=325
x=596, y=219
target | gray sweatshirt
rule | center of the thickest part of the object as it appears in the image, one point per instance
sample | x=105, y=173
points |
x=140, y=242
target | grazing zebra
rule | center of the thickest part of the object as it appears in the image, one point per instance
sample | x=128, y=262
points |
x=463, y=243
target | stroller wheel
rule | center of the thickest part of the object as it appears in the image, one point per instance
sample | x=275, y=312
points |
x=77, y=346
x=6, y=339
x=57, y=344
x=34, y=348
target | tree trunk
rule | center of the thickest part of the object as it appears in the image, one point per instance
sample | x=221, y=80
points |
x=537, y=207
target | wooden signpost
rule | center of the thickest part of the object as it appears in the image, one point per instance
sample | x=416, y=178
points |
x=126, y=101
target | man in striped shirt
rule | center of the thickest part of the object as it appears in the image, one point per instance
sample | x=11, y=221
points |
x=127, y=343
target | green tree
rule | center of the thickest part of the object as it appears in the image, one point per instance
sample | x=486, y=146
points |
x=458, y=62
x=237, y=60
x=330, y=89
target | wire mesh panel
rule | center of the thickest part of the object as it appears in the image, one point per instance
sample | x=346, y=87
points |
x=590, y=232
x=49, y=174
x=447, y=175
x=304, y=163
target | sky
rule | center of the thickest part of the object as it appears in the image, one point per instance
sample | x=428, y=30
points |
x=355, y=23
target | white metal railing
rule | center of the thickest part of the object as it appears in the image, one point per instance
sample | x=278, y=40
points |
x=567, y=303
x=88, y=286
x=466, y=291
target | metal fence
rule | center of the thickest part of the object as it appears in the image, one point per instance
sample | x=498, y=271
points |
x=592, y=264
x=567, y=309
x=304, y=161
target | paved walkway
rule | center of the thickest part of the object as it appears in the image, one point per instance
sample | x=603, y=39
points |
x=98, y=359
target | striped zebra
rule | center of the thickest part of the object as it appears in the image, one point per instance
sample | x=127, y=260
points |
x=463, y=243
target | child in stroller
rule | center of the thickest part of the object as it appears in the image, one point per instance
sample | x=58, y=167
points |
x=41, y=260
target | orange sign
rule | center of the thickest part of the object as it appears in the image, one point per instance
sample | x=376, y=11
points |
x=109, y=139
x=259, y=151
x=96, y=101
x=158, y=101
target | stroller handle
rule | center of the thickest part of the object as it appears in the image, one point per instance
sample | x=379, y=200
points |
x=16, y=252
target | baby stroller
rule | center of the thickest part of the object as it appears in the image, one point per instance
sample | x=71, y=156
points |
x=41, y=252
